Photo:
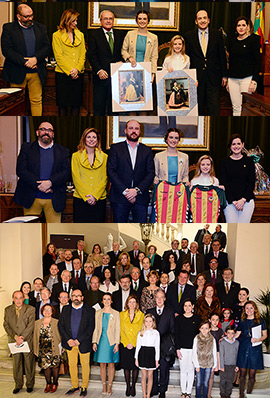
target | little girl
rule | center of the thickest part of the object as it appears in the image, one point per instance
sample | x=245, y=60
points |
x=176, y=58
x=205, y=173
x=204, y=358
x=226, y=319
x=147, y=352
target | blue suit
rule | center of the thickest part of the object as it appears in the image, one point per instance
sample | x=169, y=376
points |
x=123, y=176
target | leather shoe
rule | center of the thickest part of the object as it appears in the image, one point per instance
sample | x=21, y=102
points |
x=128, y=391
x=48, y=388
x=54, y=388
x=133, y=391
x=29, y=389
x=16, y=390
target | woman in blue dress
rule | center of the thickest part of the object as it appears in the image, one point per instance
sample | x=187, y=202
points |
x=106, y=339
x=249, y=356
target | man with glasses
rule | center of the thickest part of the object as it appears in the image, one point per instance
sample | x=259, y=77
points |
x=76, y=326
x=43, y=167
x=213, y=275
x=25, y=45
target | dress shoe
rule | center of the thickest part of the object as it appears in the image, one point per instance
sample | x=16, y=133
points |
x=48, y=388
x=128, y=391
x=83, y=392
x=72, y=391
x=133, y=391
x=54, y=388
x=16, y=390
x=29, y=389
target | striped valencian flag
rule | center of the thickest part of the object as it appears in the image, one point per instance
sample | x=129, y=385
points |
x=205, y=203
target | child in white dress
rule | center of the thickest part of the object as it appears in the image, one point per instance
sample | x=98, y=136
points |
x=205, y=173
x=176, y=58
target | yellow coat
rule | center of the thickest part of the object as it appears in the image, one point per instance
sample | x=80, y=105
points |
x=67, y=55
x=129, y=330
x=113, y=331
x=89, y=180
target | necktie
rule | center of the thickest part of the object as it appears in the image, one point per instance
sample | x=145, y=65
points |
x=135, y=254
x=38, y=298
x=159, y=311
x=192, y=263
x=204, y=44
x=88, y=283
x=18, y=312
x=206, y=250
x=227, y=288
x=81, y=256
x=180, y=294
x=136, y=286
x=65, y=287
x=213, y=277
x=110, y=41
x=77, y=277
x=163, y=288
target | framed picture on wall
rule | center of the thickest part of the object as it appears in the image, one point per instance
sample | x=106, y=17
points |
x=165, y=15
x=177, y=93
x=131, y=87
x=196, y=131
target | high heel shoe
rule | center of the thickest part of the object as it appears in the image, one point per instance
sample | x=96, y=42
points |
x=104, y=392
x=109, y=390
x=48, y=388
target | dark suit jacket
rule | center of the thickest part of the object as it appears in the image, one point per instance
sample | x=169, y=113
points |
x=222, y=260
x=142, y=284
x=91, y=298
x=113, y=257
x=221, y=236
x=165, y=259
x=117, y=299
x=228, y=300
x=28, y=171
x=76, y=255
x=58, y=288
x=166, y=320
x=199, y=261
x=14, y=49
x=100, y=55
x=121, y=175
x=86, y=328
x=134, y=261
x=208, y=275
x=213, y=66
x=200, y=234
x=157, y=263
x=172, y=297
x=32, y=299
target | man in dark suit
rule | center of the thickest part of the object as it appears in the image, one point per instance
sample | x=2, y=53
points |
x=43, y=167
x=131, y=171
x=184, y=246
x=134, y=254
x=80, y=253
x=84, y=283
x=114, y=254
x=213, y=275
x=179, y=292
x=165, y=325
x=222, y=257
x=195, y=259
x=19, y=322
x=201, y=233
x=25, y=45
x=45, y=295
x=77, y=273
x=76, y=326
x=137, y=281
x=207, y=55
x=104, y=48
x=63, y=286
x=221, y=236
x=119, y=297
x=34, y=295
x=63, y=300
x=228, y=290
x=174, y=249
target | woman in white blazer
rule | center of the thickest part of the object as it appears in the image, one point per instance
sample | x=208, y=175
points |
x=171, y=165
x=140, y=45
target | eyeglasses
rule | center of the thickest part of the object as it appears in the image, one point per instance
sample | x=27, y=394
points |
x=27, y=16
x=76, y=295
x=43, y=130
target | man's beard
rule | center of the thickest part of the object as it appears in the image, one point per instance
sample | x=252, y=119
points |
x=45, y=139
x=27, y=24
x=132, y=139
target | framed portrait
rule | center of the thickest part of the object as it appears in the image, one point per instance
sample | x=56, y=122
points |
x=131, y=87
x=165, y=15
x=195, y=129
x=177, y=93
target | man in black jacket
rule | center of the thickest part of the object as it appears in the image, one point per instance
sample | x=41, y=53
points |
x=25, y=45
x=76, y=326
x=228, y=290
x=207, y=55
x=165, y=325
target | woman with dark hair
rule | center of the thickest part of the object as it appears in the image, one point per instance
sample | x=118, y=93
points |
x=123, y=266
x=46, y=341
x=49, y=258
x=186, y=328
x=243, y=297
x=106, y=339
x=249, y=355
x=171, y=165
x=89, y=174
x=106, y=282
x=96, y=256
x=140, y=45
x=199, y=283
x=26, y=289
x=244, y=62
x=237, y=175
x=170, y=266
x=69, y=51
x=208, y=303
x=131, y=321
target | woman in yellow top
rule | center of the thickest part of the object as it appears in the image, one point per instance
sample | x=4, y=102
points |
x=69, y=52
x=131, y=321
x=89, y=176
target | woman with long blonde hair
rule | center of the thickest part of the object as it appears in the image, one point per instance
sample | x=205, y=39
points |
x=176, y=59
x=205, y=172
x=123, y=266
x=89, y=174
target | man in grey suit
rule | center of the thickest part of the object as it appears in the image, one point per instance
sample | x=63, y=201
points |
x=19, y=321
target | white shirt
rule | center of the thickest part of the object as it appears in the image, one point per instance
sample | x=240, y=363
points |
x=150, y=338
x=133, y=154
x=125, y=295
x=69, y=266
x=106, y=34
x=176, y=62
x=159, y=310
x=229, y=284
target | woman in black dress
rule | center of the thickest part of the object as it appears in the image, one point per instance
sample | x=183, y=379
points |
x=49, y=258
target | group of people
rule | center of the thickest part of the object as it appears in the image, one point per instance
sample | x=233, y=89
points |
x=131, y=171
x=25, y=45
x=141, y=311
